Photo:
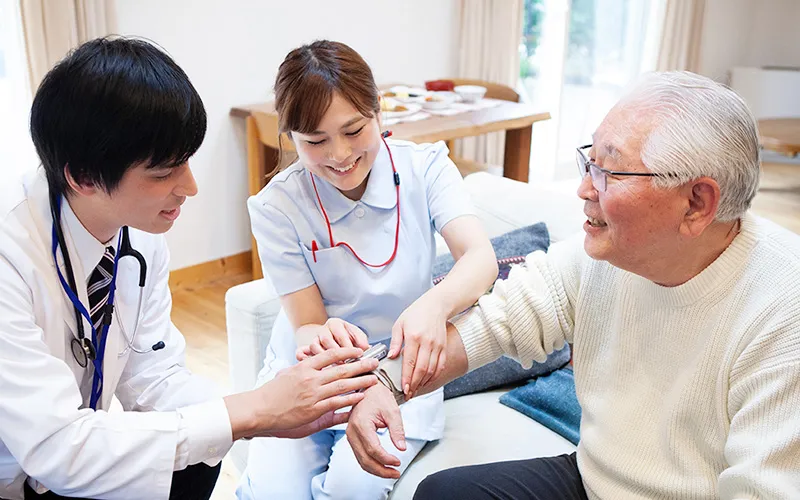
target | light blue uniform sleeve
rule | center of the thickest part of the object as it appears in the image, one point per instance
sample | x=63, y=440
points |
x=447, y=196
x=279, y=248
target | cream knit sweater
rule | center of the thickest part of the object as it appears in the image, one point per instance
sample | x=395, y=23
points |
x=687, y=392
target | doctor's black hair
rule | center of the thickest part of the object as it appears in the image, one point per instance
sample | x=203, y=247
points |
x=110, y=105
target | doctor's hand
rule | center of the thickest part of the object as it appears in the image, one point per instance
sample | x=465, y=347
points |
x=378, y=410
x=301, y=398
x=423, y=328
x=334, y=333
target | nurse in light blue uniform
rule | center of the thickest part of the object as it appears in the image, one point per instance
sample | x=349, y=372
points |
x=299, y=218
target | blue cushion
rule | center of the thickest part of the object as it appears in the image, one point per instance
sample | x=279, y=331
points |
x=551, y=401
x=510, y=248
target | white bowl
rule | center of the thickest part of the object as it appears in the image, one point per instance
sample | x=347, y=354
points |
x=470, y=93
x=441, y=100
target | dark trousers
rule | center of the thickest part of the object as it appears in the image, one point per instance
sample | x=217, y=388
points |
x=537, y=479
x=195, y=482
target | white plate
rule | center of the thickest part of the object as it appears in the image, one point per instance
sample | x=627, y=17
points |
x=412, y=108
x=404, y=94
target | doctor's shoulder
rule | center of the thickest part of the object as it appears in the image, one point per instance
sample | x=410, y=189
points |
x=12, y=197
x=21, y=238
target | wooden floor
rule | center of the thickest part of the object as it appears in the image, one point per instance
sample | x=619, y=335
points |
x=778, y=198
x=199, y=311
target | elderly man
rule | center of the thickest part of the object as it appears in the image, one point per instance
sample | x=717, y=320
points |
x=683, y=310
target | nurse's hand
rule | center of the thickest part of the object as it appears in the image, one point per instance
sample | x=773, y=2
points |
x=423, y=328
x=334, y=333
x=293, y=403
x=377, y=411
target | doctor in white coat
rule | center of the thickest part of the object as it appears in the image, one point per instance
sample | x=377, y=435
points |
x=114, y=124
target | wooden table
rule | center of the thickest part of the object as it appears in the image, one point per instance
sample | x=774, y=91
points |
x=781, y=135
x=515, y=119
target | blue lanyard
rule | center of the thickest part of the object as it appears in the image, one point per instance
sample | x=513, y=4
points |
x=97, y=377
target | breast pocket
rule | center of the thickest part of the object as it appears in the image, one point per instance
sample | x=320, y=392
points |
x=336, y=273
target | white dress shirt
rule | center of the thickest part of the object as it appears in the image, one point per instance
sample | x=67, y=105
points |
x=48, y=435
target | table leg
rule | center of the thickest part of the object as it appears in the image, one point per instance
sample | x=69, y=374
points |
x=259, y=163
x=517, y=159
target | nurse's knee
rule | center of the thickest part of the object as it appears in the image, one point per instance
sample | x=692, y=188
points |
x=351, y=485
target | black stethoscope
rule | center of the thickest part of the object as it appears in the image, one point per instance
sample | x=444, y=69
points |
x=83, y=348
x=396, y=176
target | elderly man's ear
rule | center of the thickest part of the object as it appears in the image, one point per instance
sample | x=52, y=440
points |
x=702, y=196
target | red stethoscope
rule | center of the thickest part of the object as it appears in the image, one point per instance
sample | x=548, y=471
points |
x=396, y=176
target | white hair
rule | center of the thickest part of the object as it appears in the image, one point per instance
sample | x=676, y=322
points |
x=701, y=128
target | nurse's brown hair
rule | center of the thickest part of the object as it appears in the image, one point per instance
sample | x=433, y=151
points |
x=311, y=74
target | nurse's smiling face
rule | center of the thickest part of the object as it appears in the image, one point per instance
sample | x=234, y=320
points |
x=342, y=148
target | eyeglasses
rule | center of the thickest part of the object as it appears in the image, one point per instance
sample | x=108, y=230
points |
x=600, y=175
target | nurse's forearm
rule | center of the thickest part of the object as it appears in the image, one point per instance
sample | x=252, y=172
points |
x=471, y=277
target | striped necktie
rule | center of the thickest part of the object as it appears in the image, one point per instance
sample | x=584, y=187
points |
x=98, y=288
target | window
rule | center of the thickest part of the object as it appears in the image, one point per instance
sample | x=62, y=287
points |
x=577, y=58
x=16, y=149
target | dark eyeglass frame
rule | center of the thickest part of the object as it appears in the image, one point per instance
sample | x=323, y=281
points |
x=600, y=175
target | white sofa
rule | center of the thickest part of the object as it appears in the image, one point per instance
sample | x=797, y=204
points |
x=478, y=428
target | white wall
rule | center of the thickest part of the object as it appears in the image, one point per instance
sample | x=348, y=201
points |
x=749, y=33
x=231, y=51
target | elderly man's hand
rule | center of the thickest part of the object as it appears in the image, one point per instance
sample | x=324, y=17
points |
x=377, y=410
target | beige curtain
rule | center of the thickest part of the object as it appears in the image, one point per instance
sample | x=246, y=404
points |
x=53, y=27
x=489, y=39
x=681, y=34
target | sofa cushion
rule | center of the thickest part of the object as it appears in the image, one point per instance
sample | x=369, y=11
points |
x=479, y=430
x=509, y=248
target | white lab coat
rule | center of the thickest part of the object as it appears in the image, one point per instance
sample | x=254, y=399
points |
x=47, y=431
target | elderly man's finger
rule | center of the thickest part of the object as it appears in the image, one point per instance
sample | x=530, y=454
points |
x=394, y=421
x=367, y=462
x=374, y=450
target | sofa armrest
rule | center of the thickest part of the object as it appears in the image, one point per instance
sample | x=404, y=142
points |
x=250, y=312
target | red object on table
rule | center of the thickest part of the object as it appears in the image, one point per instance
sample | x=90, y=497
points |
x=440, y=85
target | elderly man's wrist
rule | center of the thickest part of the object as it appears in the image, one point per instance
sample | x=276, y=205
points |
x=388, y=375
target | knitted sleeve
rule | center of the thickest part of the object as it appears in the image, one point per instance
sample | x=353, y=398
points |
x=528, y=315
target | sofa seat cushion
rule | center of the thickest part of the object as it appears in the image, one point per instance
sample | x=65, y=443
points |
x=481, y=430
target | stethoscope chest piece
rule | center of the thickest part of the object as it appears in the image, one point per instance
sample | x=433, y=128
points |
x=82, y=351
